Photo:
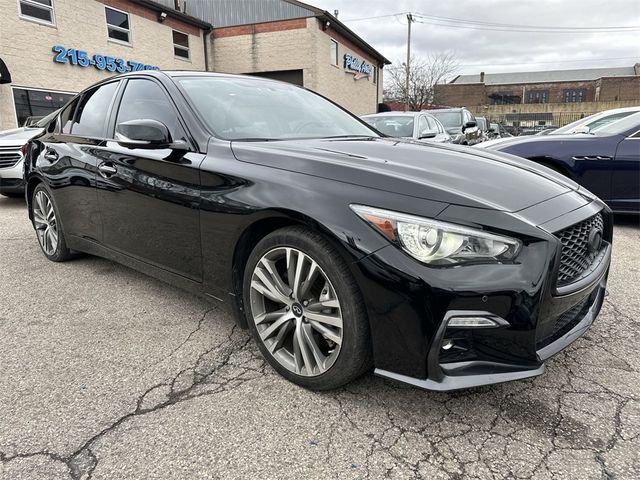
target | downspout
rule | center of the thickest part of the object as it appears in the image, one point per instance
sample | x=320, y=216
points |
x=378, y=89
x=206, y=33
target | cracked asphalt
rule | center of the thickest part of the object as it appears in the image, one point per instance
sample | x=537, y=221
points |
x=108, y=374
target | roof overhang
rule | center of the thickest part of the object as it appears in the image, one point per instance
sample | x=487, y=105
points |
x=183, y=17
x=343, y=30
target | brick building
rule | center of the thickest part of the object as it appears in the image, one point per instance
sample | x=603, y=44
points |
x=54, y=48
x=550, y=87
x=296, y=42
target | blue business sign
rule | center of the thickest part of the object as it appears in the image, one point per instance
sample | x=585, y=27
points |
x=354, y=64
x=101, y=62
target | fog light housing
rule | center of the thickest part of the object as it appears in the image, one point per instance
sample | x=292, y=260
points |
x=476, y=320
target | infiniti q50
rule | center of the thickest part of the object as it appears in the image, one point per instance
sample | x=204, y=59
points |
x=340, y=249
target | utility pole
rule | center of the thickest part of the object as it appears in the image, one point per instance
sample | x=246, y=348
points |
x=408, y=68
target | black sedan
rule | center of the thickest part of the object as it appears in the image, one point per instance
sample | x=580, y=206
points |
x=341, y=250
x=605, y=161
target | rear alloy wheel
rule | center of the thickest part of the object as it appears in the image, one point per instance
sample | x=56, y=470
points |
x=47, y=225
x=307, y=318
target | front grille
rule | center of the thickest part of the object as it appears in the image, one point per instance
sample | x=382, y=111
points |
x=576, y=257
x=565, y=322
x=9, y=156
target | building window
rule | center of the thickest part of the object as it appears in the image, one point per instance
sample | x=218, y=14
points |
x=538, y=96
x=38, y=10
x=504, y=98
x=117, y=25
x=34, y=104
x=374, y=74
x=574, y=95
x=180, y=44
x=334, y=53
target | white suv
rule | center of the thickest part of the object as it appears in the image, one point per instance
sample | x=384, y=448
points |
x=11, y=161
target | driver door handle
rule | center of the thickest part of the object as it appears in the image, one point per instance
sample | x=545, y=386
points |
x=107, y=170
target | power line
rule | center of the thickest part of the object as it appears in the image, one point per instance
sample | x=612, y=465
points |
x=528, y=27
x=500, y=27
x=595, y=60
x=442, y=23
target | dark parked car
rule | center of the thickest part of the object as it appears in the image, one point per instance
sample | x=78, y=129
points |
x=443, y=267
x=460, y=124
x=605, y=161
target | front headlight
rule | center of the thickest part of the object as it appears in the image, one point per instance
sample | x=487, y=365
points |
x=439, y=243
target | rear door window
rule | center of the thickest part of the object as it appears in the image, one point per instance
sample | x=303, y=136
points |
x=91, y=115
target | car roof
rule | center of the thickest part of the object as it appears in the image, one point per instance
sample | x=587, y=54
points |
x=394, y=114
x=456, y=109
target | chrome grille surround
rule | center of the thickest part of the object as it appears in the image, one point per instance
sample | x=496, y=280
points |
x=9, y=156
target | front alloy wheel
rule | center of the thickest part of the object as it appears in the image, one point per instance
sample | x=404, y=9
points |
x=306, y=310
x=296, y=311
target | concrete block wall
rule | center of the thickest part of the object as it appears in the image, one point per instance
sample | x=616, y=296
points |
x=292, y=45
x=25, y=46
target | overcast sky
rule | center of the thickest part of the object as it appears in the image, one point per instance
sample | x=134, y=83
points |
x=497, y=51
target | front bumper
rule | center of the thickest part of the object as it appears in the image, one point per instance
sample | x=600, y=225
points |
x=411, y=306
x=12, y=178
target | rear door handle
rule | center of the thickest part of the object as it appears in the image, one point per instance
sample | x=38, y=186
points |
x=107, y=170
x=50, y=155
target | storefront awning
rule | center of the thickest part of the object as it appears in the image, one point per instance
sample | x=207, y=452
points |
x=5, y=76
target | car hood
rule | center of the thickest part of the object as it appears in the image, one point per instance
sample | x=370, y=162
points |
x=18, y=136
x=454, y=175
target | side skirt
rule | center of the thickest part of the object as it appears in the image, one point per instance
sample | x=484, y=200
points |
x=93, y=248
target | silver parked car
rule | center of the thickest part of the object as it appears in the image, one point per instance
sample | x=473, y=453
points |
x=11, y=161
x=416, y=125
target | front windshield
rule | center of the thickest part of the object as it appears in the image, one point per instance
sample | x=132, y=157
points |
x=448, y=119
x=392, y=125
x=238, y=108
x=621, y=126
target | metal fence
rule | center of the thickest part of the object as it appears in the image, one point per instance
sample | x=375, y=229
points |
x=519, y=123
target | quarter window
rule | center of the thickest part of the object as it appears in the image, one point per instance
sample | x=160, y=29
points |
x=118, y=25
x=145, y=99
x=180, y=44
x=38, y=10
x=334, y=52
x=91, y=115
x=574, y=95
x=422, y=125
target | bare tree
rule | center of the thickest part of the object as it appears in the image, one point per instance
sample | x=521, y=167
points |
x=424, y=74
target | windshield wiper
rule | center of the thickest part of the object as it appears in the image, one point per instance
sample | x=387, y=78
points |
x=256, y=139
x=350, y=136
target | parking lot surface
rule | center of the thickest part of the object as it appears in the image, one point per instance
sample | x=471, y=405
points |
x=107, y=374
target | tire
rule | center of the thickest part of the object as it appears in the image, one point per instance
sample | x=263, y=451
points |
x=46, y=223
x=325, y=292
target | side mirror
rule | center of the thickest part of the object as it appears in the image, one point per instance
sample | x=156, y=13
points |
x=470, y=124
x=582, y=129
x=143, y=133
x=427, y=134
